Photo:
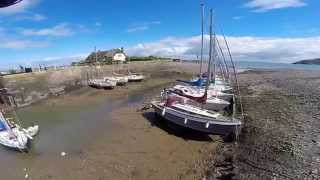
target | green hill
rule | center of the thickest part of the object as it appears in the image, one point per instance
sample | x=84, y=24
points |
x=309, y=61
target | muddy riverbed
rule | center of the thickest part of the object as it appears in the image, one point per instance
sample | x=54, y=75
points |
x=105, y=135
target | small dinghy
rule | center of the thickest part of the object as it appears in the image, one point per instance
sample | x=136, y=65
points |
x=102, y=83
x=135, y=77
x=32, y=130
x=12, y=137
x=121, y=79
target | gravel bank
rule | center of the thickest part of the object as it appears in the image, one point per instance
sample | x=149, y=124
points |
x=281, y=138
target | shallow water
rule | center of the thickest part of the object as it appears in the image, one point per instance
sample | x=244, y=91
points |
x=63, y=128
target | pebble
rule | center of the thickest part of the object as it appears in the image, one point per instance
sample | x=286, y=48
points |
x=63, y=154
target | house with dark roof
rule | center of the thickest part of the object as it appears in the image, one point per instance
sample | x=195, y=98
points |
x=109, y=56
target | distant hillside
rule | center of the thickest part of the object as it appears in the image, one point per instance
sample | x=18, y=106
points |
x=309, y=61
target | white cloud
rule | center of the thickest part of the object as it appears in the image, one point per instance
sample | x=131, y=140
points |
x=243, y=48
x=267, y=5
x=138, y=28
x=31, y=17
x=58, y=30
x=98, y=24
x=21, y=44
x=19, y=7
x=143, y=26
x=237, y=17
x=60, y=60
x=12, y=42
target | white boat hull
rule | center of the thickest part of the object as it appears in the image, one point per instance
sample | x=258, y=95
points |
x=32, y=131
x=216, y=104
x=135, y=77
x=102, y=83
x=119, y=80
x=197, y=122
x=196, y=91
x=16, y=139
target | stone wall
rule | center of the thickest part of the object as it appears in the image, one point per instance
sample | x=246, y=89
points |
x=32, y=87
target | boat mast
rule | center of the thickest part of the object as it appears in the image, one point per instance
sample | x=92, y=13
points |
x=96, y=58
x=128, y=67
x=202, y=29
x=215, y=55
x=210, y=54
x=95, y=52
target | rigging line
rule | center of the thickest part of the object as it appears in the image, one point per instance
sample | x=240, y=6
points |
x=222, y=72
x=223, y=69
x=14, y=111
x=234, y=69
x=224, y=60
x=17, y=118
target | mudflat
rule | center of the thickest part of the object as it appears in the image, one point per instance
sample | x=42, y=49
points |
x=281, y=137
x=109, y=135
x=104, y=134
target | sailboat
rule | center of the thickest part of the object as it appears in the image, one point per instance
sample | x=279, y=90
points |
x=119, y=79
x=12, y=136
x=211, y=103
x=195, y=118
x=101, y=83
x=199, y=91
x=217, y=83
x=134, y=77
x=175, y=109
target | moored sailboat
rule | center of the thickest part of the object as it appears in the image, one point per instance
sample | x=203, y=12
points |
x=197, y=119
x=176, y=107
x=102, y=83
x=134, y=77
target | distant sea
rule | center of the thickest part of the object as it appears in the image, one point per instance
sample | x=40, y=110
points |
x=244, y=65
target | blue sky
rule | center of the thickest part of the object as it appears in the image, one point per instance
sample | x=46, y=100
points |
x=37, y=31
